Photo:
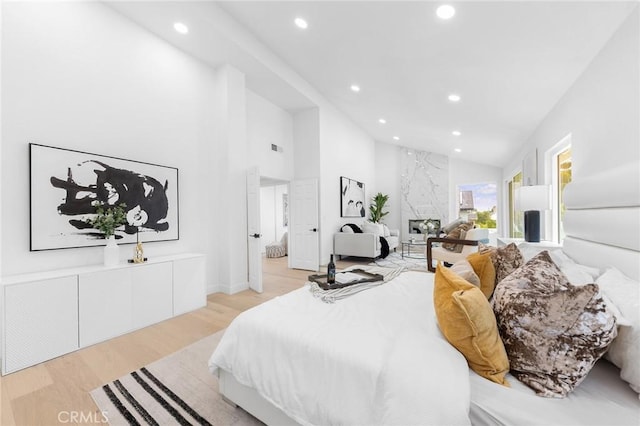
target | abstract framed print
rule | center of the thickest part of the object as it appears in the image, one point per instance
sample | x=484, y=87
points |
x=352, y=201
x=66, y=187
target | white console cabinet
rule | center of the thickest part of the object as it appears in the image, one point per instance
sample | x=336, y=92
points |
x=52, y=313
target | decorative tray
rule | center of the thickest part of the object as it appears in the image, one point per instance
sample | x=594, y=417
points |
x=362, y=277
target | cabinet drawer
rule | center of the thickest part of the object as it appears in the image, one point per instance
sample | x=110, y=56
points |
x=105, y=305
x=152, y=293
x=41, y=321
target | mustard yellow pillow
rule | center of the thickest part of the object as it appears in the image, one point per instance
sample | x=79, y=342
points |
x=468, y=323
x=483, y=267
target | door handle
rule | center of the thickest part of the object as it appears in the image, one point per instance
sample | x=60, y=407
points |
x=314, y=230
x=255, y=235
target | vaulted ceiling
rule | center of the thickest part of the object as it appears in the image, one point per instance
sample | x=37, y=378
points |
x=510, y=62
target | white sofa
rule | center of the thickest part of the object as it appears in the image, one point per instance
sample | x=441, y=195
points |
x=365, y=244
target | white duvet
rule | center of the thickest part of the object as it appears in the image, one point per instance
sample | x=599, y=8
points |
x=376, y=357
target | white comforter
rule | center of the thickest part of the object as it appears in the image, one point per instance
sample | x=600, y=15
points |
x=377, y=357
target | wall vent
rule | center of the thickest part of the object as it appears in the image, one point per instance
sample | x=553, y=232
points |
x=276, y=148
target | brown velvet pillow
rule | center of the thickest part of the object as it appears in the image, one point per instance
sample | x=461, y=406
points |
x=553, y=331
x=505, y=259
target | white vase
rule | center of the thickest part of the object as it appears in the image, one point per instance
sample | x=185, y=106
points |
x=111, y=252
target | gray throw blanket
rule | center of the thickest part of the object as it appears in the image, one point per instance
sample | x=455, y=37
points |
x=331, y=296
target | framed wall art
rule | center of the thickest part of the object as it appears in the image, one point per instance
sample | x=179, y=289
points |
x=352, y=201
x=66, y=186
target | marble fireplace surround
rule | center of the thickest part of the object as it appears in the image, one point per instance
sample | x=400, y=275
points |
x=424, y=187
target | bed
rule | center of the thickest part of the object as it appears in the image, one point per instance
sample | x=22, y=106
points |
x=378, y=357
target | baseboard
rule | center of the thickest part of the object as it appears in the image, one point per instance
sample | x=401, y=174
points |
x=227, y=289
x=214, y=288
x=237, y=287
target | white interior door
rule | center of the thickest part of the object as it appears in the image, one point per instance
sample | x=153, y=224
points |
x=304, y=247
x=253, y=229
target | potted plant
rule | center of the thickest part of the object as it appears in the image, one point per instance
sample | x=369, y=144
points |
x=107, y=220
x=376, y=207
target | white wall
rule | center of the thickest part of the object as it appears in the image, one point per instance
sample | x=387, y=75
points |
x=345, y=151
x=269, y=124
x=228, y=209
x=306, y=136
x=601, y=111
x=1, y=126
x=77, y=75
x=388, y=182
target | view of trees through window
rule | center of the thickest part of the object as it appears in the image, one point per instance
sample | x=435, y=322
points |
x=484, y=205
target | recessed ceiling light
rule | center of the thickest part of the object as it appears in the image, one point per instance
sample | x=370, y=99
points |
x=457, y=150
x=454, y=97
x=456, y=133
x=181, y=28
x=301, y=23
x=446, y=11
x=382, y=121
x=396, y=138
x=355, y=88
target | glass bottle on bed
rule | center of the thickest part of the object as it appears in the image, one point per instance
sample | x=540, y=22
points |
x=331, y=271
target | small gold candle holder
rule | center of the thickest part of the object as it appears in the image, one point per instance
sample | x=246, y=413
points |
x=138, y=252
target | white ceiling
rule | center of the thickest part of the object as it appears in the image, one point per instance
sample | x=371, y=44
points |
x=510, y=61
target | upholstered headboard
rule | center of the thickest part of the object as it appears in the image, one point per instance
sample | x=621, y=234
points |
x=602, y=219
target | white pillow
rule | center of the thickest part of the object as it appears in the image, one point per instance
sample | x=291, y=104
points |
x=386, y=230
x=464, y=270
x=624, y=352
x=372, y=228
x=579, y=275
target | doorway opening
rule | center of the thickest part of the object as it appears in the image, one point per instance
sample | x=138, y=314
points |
x=274, y=211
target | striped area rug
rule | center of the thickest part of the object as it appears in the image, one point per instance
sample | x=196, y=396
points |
x=177, y=389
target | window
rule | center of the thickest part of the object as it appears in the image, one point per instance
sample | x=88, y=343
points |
x=516, y=217
x=478, y=202
x=558, y=167
x=563, y=170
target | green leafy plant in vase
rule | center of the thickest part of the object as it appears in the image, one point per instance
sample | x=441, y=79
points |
x=108, y=219
x=376, y=208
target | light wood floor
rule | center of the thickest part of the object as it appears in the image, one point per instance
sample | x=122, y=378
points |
x=46, y=393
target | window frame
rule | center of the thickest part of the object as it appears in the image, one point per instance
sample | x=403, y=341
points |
x=551, y=173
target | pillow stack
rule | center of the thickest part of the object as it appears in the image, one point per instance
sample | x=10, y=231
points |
x=553, y=331
x=461, y=299
x=549, y=330
x=468, y=323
